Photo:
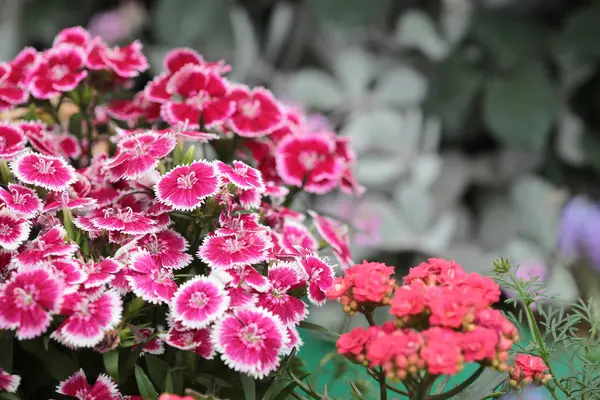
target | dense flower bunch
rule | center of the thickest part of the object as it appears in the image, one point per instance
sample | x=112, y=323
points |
x=114, y=237
x=442, y=319
x=527, y=370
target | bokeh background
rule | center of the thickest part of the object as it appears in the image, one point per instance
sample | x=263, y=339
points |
x=476, y=123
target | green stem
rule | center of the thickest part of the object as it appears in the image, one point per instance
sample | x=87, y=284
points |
x=381, y=373
x=466, y=383
x=535, y=331
x=494, y=395
x=390, y=387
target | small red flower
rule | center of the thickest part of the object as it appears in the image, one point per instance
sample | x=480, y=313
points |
x=354, y=342
x=257, y=113
x=60, y=69
x=8, y=382
x=407, y=301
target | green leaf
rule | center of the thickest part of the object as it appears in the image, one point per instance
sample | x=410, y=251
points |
x=576, y=43
x=144, y=385
x=519, y=110
x=349, y=13
x=314, y=89
x=158, y=370
x=416, y=29
x=189, y=155
x=111, y=364
x=318, y=328
x=6, y=350
x=452, y=90
x=401, y=87
x=510, y=37
x=356, y=390
x=58, y=364
x=486, y=383
x=169, y=387
x=248, y=386
x=128, y=365
x=279, y=385
x=75, y=124
x=9, y=396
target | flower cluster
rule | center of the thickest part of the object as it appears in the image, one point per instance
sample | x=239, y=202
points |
x=527, y=370
x=103, y=210
x=442, y=318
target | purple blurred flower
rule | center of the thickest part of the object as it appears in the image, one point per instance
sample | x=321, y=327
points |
x=533, y=393
x=109, y=25
x=579, y=235
x=528, y=271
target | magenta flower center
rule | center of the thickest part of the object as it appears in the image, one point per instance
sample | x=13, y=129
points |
x=187, y=181
x=24, y=298
x=59, y=71
x=251, y=335
x=250, y=108
x=45, y=167
x=309, y=159
x=19, y=198
x=5, y=229
x=198, y=300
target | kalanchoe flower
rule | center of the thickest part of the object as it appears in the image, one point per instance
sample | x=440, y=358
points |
x=88, y=319
x=27, y=300
x=21, y=200
x=12, y=139
x=257, y=113
x=227, y=251
x=77, y=386
x=185, y=187
x=58, y=70
x=250, y=341
x=8, y=382
x=441, y=352
x=48, y=172
x=198, y=302
x=14, y=230
x=282, y=277
x=528, y=369
x=148, y=280
x=203, y=97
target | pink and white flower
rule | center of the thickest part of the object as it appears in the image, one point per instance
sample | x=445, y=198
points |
x=100, y=273
x=48, y=244
x=13, y=230
x=70, y=272
x=198, y=302
x=336, y=235
x=320, y=278
x=9, y=382
x=125, y=221
x=65, y=202
x=155, y=346
x=77, y=386
x=88, y=318
x=60, y=69
x=75, y=35
x=203, y=98
x=282, y=277
x=227, y=251
x=257, y=113
x=12, y=140
x=295, y=235
x=185, y=187
x=294, y=340
x=309, y=162
x=248, y=275
x=138, y=154
x=250, y=341
x=196, y=340
x=126, y=62
x=48, y=172
x=21, y=200
x=148, y=280
x=28, y=300
x=168, y=249
x=242, y=175
x=11, y=92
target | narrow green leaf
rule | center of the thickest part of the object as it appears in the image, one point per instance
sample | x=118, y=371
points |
x=278, y=386
x=189, y=155
x=111, y=364
x=129, y=364
x=319, y=328
x=144, y=385
x=158, y=370
x=9, y=396
x=177, y=381
x=356, y=390
x=169, y=383
x=58, y=364
x=248, y=386
x=75, y=124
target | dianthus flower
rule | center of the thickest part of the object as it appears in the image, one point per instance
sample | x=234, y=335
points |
x=9, y=382
x=77, y=386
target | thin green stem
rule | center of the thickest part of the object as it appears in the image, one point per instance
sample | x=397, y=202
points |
x=495, y=395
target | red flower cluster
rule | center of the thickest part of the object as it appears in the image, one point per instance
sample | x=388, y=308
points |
x=443, y=319
x=527, y=370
